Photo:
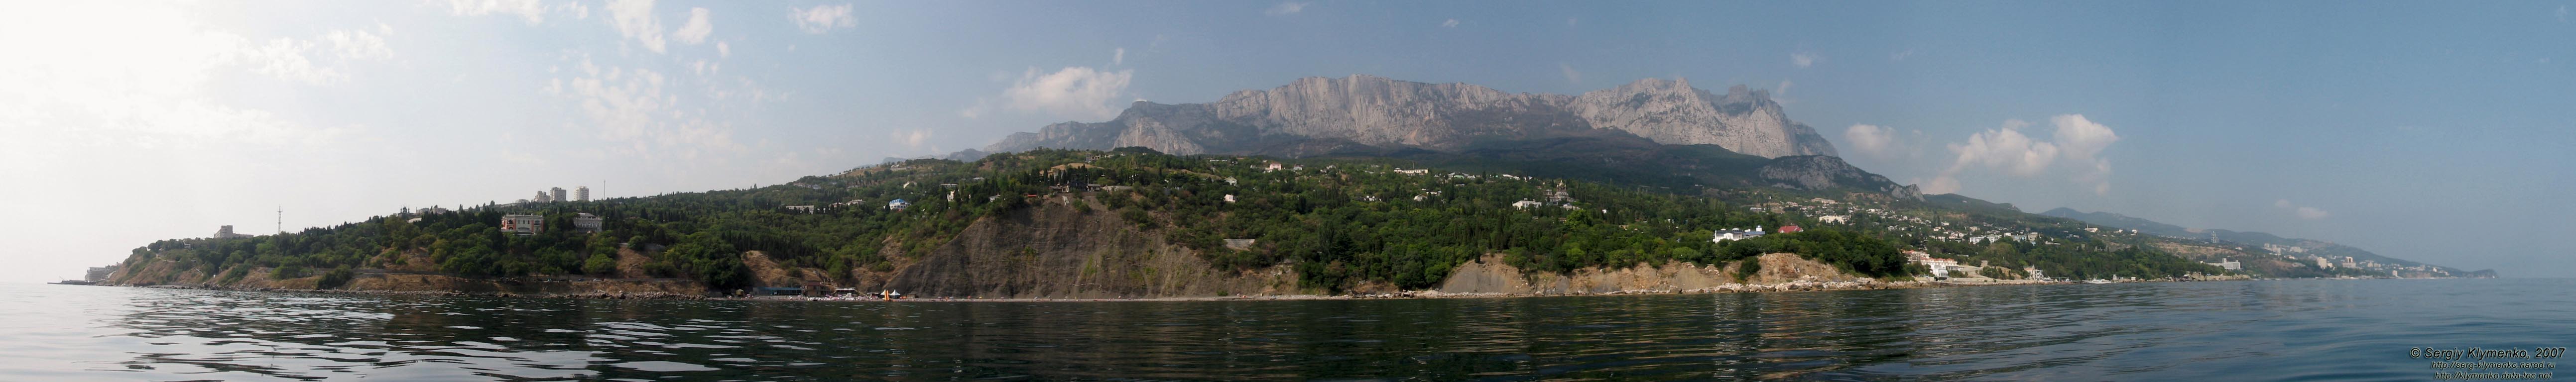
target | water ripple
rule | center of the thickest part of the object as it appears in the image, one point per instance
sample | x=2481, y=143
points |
x=2270, y=330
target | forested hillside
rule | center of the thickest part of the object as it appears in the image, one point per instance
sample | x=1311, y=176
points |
x=1336, y=222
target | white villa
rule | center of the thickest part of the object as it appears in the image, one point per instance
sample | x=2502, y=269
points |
x=1724, y=235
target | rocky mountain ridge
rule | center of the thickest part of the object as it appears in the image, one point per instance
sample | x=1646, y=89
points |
x=1386, y=113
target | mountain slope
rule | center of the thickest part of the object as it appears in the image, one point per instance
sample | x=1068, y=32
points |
x=1379, y=112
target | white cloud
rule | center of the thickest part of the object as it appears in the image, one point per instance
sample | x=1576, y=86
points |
x=915, y=140
x=629, y=107
x=1452, y=23
x=2562, y=13
x=1287, y=8
x=1804, y=59
x=1118, y=56
x=1069, y=92
x=723, y=50
x=2081, y=137
x=1570, y=74
x=2076, y=140
x=1870, y=139
x=1901, y=55
x=284, y=58
x=697, y=29
x=2303, y=212
x=533, y=10
x=823, y=18
x=635, y=20
x=360, y=44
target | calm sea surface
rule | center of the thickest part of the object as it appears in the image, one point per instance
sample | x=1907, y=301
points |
x=2248, y=330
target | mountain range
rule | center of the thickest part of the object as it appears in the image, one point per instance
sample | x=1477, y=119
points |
x=1317, y=115
x=1650, y=132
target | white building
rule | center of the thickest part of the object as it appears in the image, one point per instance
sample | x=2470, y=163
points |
x=2034, y=273
x=1834, y=219
x=1940, y=267
x=1525, y=204
x=587, y=223
x=1418, y=171
x=559, y=195
x=1725, y=235
x=2227, y=264
x=581, y=194
x=898, y=205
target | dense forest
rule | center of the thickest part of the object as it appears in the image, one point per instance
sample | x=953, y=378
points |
x=1337, y=222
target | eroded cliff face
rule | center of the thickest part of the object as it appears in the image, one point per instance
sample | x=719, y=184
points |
x=1378, y=111
x=1052, y=250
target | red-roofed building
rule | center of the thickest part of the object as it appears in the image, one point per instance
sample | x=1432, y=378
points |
x=1790, y=228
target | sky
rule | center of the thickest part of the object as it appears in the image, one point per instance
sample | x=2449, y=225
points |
x=2430, y=131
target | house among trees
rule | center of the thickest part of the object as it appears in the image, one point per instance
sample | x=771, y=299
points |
x=523, y=224
x=1725, y=235
x=1525, y=204
x=586, y=223
x=898, y=205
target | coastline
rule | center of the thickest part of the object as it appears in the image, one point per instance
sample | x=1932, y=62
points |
x=1785, y=287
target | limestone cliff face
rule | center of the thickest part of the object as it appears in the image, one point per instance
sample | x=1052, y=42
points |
x=1672, y=112
x=1378, y=111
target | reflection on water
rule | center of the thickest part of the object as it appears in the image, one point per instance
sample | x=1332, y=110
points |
x=2269, y=330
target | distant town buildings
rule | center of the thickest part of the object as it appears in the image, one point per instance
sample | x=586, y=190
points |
x=1523, y=204
x=898, y=205
x=523, y=224
x=581, y=193
x=1834, y=219
x=559, y=195
x=2322, y=263
x=2227, y=264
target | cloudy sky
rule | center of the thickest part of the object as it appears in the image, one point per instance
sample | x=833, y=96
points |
x=2430, y=131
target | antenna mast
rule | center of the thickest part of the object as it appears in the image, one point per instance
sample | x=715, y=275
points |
x=281, y=219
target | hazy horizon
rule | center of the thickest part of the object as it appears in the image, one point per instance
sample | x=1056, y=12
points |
x=2432, y=132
